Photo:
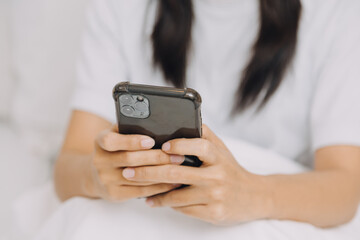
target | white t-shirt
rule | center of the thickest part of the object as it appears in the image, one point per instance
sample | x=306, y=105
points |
x=317, y=105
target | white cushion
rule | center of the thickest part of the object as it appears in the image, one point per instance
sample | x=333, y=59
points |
x=6, y=83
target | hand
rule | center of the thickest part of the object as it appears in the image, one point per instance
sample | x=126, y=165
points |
x=220, y=191
x=113, y=152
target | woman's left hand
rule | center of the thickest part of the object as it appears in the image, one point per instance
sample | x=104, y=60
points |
x=220, y=192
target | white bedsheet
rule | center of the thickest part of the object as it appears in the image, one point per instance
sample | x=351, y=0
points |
x=80, y=218
x=23, y=165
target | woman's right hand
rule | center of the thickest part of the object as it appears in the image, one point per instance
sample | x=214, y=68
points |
x=114, y=152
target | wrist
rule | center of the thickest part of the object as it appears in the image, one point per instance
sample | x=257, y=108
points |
x=265, y=201
x=89, y=184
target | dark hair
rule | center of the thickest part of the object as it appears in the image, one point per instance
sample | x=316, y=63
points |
x=272, y=52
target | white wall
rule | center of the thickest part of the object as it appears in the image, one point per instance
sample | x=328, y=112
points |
x=45, y=45
x=39, y=44
x=5, y=80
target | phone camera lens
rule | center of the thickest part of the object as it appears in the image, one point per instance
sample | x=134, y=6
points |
x=127, y=110
x=141, y=106
x=126, y=99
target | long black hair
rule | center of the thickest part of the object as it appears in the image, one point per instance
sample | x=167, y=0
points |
x=272, y=52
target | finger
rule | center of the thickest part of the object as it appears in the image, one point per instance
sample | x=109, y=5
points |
x=115, y=128
x=136, y=158
x=178, y=198
x=113, y=176
x=200, y=212
x=202, y=148
x=207, y=133
x=211, y=136
x=165, y=174
x=112, y=141
x=123, y=193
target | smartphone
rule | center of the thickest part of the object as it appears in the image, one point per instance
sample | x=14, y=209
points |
x=163, y=113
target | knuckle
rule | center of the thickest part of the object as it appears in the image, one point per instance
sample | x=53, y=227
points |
x=221, y=176
x=217, y=176
x=162, y=157
x=125, y=158
x=158, y=156
x=205, y=148
x=217, y=194
x=218, y=214
x=106, y=141
x=142, y=173
x=175, y=145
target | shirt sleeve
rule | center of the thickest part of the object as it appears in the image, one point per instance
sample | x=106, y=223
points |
x=335, y=113
x=101, y=65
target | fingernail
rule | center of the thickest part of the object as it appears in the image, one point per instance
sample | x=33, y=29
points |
x=166, y=147
x=147, y=142
x=128, y=173
x=149, y=202
x=176, y=159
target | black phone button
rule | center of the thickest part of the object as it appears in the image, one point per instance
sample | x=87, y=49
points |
x=192, y=161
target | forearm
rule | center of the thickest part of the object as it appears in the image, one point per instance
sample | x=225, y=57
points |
x=73, y=176
x=321, y=198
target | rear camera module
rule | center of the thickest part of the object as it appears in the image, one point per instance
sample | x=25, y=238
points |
x=134, y=106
